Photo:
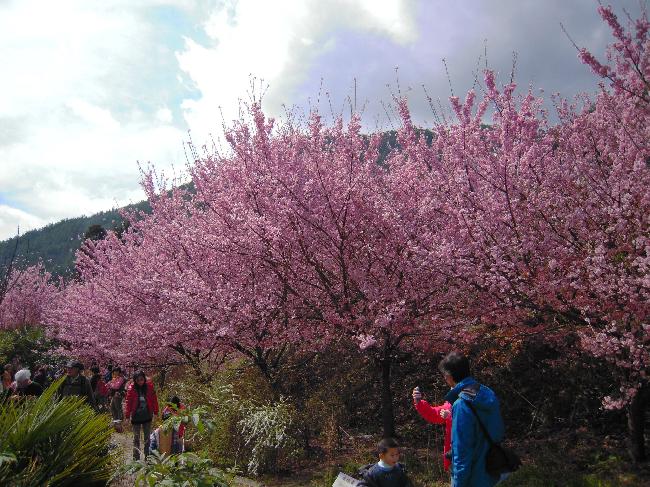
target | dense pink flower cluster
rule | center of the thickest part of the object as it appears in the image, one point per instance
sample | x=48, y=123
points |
x=302, y=235
x=28, y=295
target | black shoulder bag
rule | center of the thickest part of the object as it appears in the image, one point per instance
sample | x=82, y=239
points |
x=499, y=460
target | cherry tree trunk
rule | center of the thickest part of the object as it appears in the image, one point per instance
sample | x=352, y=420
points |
x=387, y=412
x=636, y=425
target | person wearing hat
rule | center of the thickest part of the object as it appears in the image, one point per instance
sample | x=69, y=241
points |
x=76, y=384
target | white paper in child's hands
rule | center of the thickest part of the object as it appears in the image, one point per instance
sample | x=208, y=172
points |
x=344, y=480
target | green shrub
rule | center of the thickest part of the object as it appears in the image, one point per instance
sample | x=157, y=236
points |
x=198, y=417
x=221, y=442
x=184, y=469
x=29, y=346
x=248, y=427
x=45, y=441
x=612, y=472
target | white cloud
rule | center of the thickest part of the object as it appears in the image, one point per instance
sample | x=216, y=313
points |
x=13, y=219
x=92, y=87
x=78, y=107
x=164, y=115
x=276, y=42
x=92, y=115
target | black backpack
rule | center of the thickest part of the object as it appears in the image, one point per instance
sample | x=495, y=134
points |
x=499, y=459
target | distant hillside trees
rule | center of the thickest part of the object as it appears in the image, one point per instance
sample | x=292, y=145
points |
x=55, y=244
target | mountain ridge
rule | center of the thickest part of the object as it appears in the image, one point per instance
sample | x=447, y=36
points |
x=55, y=244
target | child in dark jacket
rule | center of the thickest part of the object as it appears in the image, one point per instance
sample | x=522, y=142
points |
x=387, y=472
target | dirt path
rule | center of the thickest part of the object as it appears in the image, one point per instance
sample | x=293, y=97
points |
x=124, y=442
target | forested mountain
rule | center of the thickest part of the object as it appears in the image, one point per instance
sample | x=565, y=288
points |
x=56, y=243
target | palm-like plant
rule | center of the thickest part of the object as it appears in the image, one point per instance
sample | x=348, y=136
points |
x=47, y=441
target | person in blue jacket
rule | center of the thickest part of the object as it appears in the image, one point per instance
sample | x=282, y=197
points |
x=469, y=446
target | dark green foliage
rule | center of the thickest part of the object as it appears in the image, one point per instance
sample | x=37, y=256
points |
x=551, y=407
x=29, y=347
x=544, y=388
x=197, y=417
x=389, y=142
x=7, y=264
x=95, y=232
x=56, y=244
x=47, y=442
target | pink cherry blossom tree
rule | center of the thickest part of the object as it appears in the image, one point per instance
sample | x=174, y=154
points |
x=610, y=144
x=546, y=228
x=314, y=208
x=169, y=290
x=26, y=295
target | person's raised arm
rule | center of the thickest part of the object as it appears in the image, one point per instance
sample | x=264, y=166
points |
x=431, y=414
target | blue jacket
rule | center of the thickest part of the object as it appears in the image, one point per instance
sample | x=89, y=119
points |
x=469, y=446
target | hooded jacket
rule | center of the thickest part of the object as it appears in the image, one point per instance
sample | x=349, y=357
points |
x=469, y=446
x=132, y=399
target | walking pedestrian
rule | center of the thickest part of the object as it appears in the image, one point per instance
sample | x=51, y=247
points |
x=99, y=388
x=76, y=384
x=141, y=407
x=116, y=390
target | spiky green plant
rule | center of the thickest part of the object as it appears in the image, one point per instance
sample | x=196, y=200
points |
x=47, y=441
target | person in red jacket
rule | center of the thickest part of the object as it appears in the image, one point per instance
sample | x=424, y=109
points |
x=141, y=406
x=437, y=415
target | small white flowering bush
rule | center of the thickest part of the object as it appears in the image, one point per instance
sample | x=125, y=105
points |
x=267, y=429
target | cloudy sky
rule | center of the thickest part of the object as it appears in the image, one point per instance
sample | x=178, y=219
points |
x=89, y=88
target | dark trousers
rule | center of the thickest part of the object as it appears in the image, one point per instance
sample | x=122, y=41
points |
x=146, y=431
x=116, y=407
